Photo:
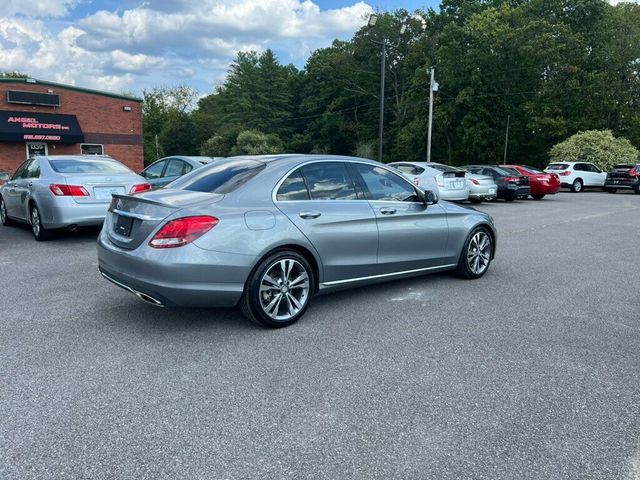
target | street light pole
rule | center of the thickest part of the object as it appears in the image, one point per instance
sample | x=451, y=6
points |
x=431, y=85
x=373, y=19
x=383, y=49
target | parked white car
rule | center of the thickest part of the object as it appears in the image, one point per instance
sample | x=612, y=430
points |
x=449, y=182
x=578, y=175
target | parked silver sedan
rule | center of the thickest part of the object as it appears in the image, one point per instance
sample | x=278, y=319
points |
x=166, y=170
x=448, y=181
x=268, y=233
x=481, y=187
x=61, y=191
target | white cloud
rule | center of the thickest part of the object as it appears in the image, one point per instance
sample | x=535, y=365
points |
x=160, y=41
x=37, y=8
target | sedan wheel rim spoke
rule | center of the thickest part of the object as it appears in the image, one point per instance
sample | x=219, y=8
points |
x=479, y=253
x=284, y=289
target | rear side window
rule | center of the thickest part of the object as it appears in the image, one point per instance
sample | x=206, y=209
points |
x=557, y=166
x=329, y=181
x=89, y=165
x=223, y=177
x=293, y=188
x=444, y=168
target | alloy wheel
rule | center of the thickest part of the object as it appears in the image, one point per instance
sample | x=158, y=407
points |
x=35, y=221
x=284, y=289
x=479, y=252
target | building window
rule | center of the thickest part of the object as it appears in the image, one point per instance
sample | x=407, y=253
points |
x=91, y=149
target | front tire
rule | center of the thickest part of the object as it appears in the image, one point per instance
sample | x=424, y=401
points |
x=476, y=255
x=4, y=218
x=40, y=233
x=538, y=196
x=577, y=186
x=279, y=290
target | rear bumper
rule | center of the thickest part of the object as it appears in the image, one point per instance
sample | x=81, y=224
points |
x=519, y=192
x=483, y=192
x=544, y=188
x=62, y=212
x=191, y=277
x=454, y=195
x=622, y=183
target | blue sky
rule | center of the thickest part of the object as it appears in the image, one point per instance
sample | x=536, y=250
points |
x=130, y=45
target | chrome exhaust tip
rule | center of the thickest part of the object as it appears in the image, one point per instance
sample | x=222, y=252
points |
x=148, y=299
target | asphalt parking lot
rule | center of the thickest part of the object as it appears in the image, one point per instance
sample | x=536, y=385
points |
x=532, y=372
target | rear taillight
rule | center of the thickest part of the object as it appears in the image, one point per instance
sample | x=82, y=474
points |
x=566, y=173
x=181, y=231
x=60, y=190
x=141, y=187
x=634, y=173
x=511, y=179
x=474, y=181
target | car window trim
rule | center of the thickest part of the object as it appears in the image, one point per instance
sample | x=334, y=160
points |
x=349, y=163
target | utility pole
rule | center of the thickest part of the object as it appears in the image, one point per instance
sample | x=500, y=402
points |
x=431, y=87
x=383, y=49
x=506, y=140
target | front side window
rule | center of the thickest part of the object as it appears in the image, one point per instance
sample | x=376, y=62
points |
x=382, y=184
x=329, y=181
x=155, y=170
x=592, y=168
x=293, y=188
x=20, y=170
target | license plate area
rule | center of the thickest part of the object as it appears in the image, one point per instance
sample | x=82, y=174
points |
x=105, y=193
x=123, y=226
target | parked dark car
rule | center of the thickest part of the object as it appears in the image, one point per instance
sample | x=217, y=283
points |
x=166, y=170
x=511, y=183
x=625, y=176
x=541, y=183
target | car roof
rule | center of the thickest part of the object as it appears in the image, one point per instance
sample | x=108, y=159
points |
x=293, y=159
x=74, y=157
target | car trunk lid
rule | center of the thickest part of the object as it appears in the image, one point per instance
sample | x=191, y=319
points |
x=132, y=218
x=101, y=187
x=454, y=180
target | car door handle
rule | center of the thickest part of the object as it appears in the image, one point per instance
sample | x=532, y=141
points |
x=387, y=211
x=31, y=184
x=309, y=214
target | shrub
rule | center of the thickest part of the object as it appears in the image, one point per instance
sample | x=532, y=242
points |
x=596, y=146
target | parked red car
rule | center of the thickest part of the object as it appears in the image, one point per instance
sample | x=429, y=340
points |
x=542, y=183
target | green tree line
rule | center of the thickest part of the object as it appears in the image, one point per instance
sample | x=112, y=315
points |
x=553, y=67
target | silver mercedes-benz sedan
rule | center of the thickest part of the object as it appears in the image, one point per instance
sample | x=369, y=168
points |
x=268, y=233
x=65, y=191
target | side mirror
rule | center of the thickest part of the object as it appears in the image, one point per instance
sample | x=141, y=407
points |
x=430, y=197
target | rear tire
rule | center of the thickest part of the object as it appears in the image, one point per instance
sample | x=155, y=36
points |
x=4, y=218
x=279, y=290
x=509, y=199
x=612, y=190
x=637, y=190
x=538, y=196
x=475, y=200
x=476, y=255
x=40, y=233
x=577, y=186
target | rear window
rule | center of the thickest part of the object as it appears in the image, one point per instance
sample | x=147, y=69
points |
x=223, y=177
x=529, y=169
x=558, y=166
x=623, y=167
x=444, y=168
x=91, y=166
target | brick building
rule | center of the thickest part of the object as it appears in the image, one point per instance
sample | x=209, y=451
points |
x=38, y=117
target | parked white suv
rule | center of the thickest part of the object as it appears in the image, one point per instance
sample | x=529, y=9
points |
x=578, y=175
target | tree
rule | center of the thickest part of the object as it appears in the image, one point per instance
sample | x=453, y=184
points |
x=598, y=147
x=255, y=142
x=13, y=74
